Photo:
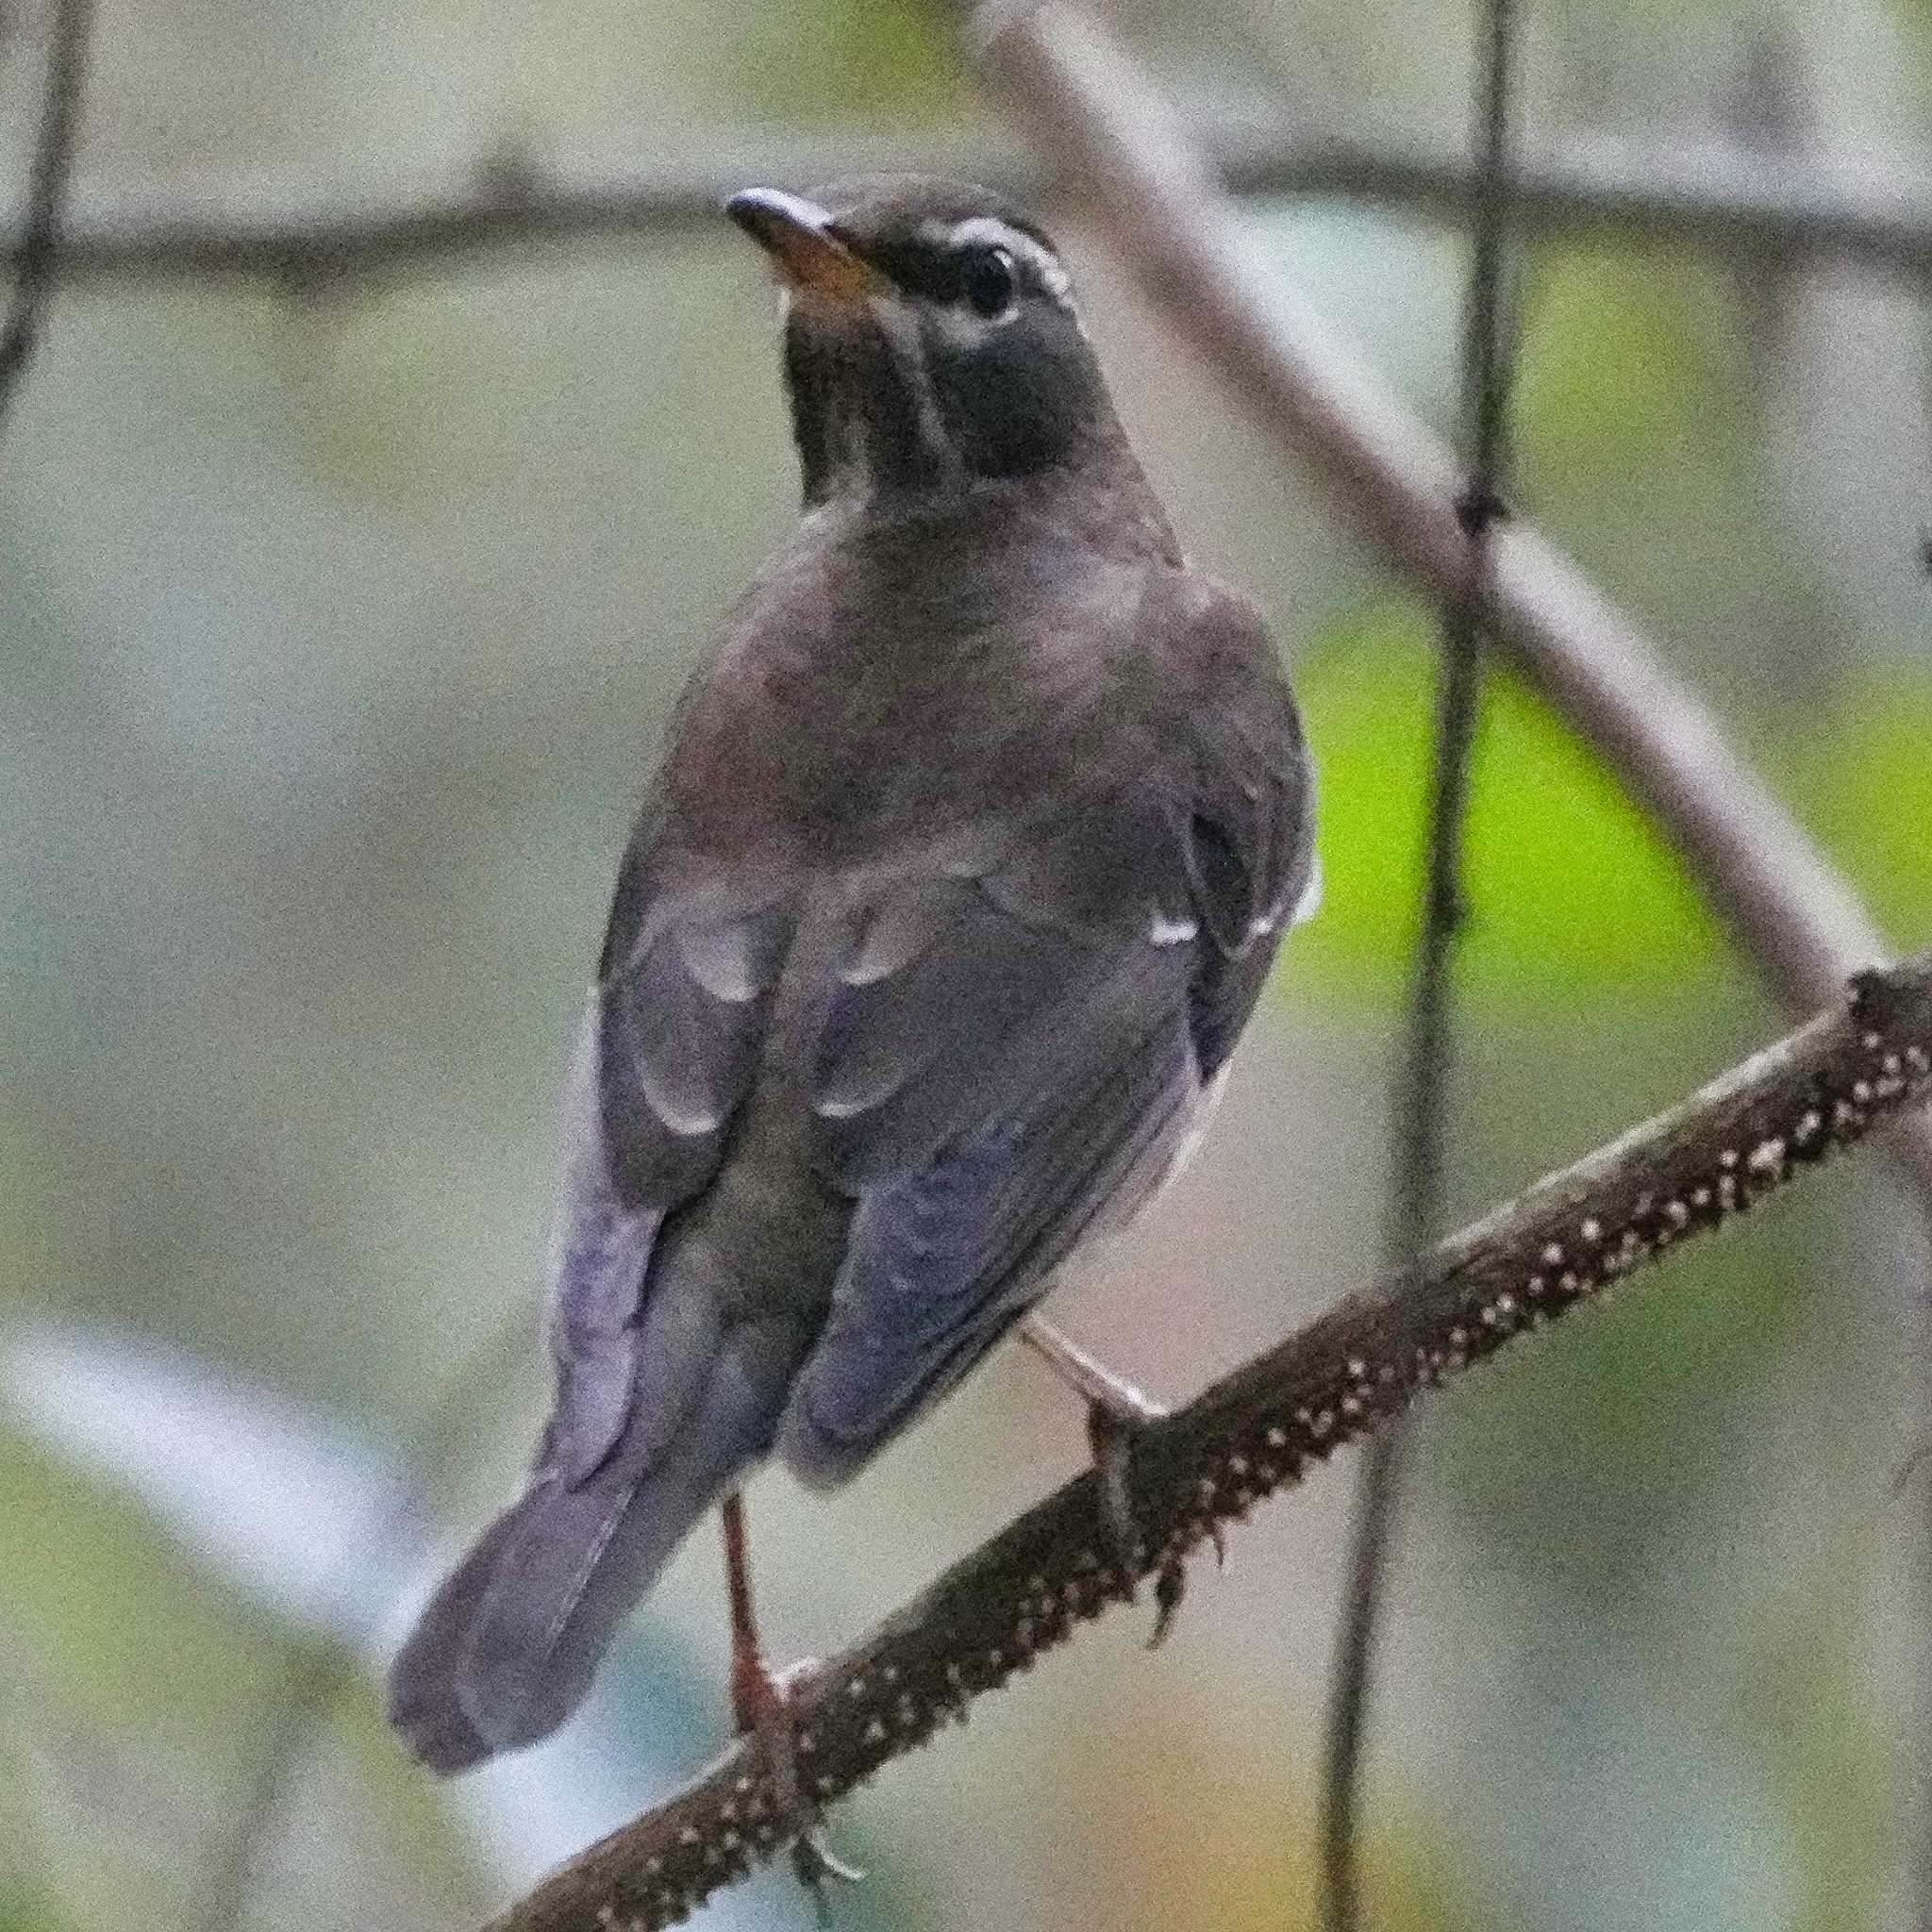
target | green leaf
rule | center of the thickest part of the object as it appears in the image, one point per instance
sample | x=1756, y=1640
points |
x=1570, y=890
x=1862, y=770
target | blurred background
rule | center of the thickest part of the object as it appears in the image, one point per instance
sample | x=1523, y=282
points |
x=342, y=614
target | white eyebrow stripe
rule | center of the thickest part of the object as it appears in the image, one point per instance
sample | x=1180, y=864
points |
x=989, y=231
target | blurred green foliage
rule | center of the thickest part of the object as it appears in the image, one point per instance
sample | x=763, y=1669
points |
x=1573, y=891
x=1844, y=1817
x=125, y=1628
x=892, y=63
x=23, y=1911
x=1864, y=769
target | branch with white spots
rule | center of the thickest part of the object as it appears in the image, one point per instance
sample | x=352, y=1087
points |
x=1565, y=1243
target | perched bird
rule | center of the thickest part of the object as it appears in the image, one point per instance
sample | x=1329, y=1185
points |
x=967, y=860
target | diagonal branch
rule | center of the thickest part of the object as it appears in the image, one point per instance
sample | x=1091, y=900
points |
x=1114, y=136
x=1815, y=1093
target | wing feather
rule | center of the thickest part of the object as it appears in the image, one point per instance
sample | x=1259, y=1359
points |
x=668, y=1052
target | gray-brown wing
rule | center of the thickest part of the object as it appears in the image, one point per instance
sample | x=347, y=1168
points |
x=668, y=1052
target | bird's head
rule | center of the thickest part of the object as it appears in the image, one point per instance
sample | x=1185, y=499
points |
x=931, y=340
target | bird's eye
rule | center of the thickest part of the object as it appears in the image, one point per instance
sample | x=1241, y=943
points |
x=992, y=288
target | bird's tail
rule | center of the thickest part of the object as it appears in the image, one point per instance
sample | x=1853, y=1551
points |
x=507, y=1647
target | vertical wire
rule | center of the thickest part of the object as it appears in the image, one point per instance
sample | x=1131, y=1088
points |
x=1420, y=1105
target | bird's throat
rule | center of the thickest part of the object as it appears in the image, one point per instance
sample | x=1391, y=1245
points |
x=862, y=407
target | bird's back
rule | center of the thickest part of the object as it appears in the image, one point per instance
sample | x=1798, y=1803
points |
x=969, y=853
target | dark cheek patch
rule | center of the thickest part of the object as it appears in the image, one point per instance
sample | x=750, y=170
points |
x=1012, y=404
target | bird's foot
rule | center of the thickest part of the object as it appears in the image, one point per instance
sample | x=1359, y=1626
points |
x=762, y=1706
x=1118, y=1414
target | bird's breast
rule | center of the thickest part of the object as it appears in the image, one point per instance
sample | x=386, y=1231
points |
x=840, y=737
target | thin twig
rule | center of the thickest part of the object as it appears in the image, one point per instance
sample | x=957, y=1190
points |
x=1420, y=1107
x=37, y=253
x=1116, y=140
x=1262, y=1428
x=319, y=1675
x=1715, y=197
x=314, y=1676
x=1371, y=1527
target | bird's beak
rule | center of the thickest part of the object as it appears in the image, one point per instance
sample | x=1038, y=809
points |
x=805, y=245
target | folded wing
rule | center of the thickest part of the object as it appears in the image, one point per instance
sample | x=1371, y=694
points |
x=1017, y=1046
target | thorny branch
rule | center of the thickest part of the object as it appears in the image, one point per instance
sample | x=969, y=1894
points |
x=1816, y=1092
x=1117, y=140
x=38, y=252
x=1421, y=1108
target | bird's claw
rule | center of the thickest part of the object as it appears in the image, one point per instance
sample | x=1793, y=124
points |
x=1170, y=1587
x=1117, y=1415
x=815, y=1863
x=762, y=1706
x=1110, y=1431
x=1171, y=1582
x=1113, y=1427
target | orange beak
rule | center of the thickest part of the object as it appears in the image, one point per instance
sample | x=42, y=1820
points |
x=805, y=245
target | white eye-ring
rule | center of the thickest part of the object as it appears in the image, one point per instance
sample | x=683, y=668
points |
x=1026, y=255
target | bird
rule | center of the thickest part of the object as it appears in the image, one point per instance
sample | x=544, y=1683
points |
x=967, y=859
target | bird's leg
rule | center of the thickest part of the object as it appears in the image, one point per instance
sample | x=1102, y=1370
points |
x=1117, y=1412
x=761, y=1707
x=755, y=1693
